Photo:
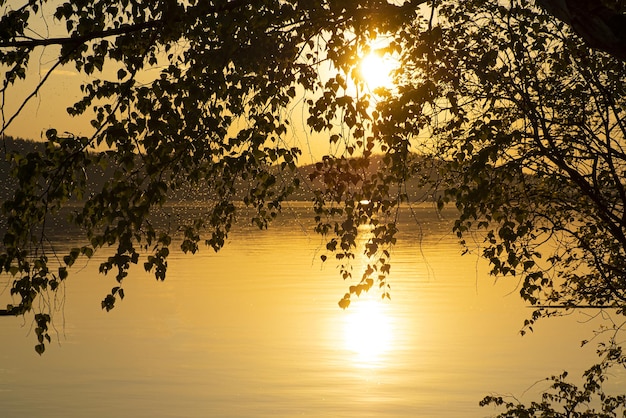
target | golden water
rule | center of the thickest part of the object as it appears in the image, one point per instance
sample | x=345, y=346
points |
x=255, y=331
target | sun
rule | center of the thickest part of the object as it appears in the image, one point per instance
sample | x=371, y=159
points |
x=368, y=331
x=376, y=70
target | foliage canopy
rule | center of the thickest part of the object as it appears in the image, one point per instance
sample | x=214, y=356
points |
x=497, y=108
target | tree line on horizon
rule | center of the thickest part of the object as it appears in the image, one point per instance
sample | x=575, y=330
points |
x=515, y=110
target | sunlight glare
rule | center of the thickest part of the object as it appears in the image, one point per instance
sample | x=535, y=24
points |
x=376, y=70
x=368, y=331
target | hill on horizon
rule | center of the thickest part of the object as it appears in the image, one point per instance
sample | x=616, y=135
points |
x=96, y=176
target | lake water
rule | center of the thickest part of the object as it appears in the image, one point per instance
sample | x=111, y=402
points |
x=255, y=331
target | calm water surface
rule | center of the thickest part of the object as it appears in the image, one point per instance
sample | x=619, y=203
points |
x=255, y=331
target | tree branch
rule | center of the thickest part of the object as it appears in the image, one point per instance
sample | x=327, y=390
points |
x=600, y=26
x=125, y=29
x=574, y=306
x=122, y=30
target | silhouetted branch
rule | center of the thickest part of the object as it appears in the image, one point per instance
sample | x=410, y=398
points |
x=600, y=26
x=573, y=306
x=122, y=30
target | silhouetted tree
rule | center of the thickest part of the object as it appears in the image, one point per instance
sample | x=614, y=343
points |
x=512, y=111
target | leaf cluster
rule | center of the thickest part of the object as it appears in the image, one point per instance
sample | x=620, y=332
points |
x=181, y=95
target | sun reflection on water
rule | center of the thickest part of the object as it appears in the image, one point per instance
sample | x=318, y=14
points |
x=368, y=332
